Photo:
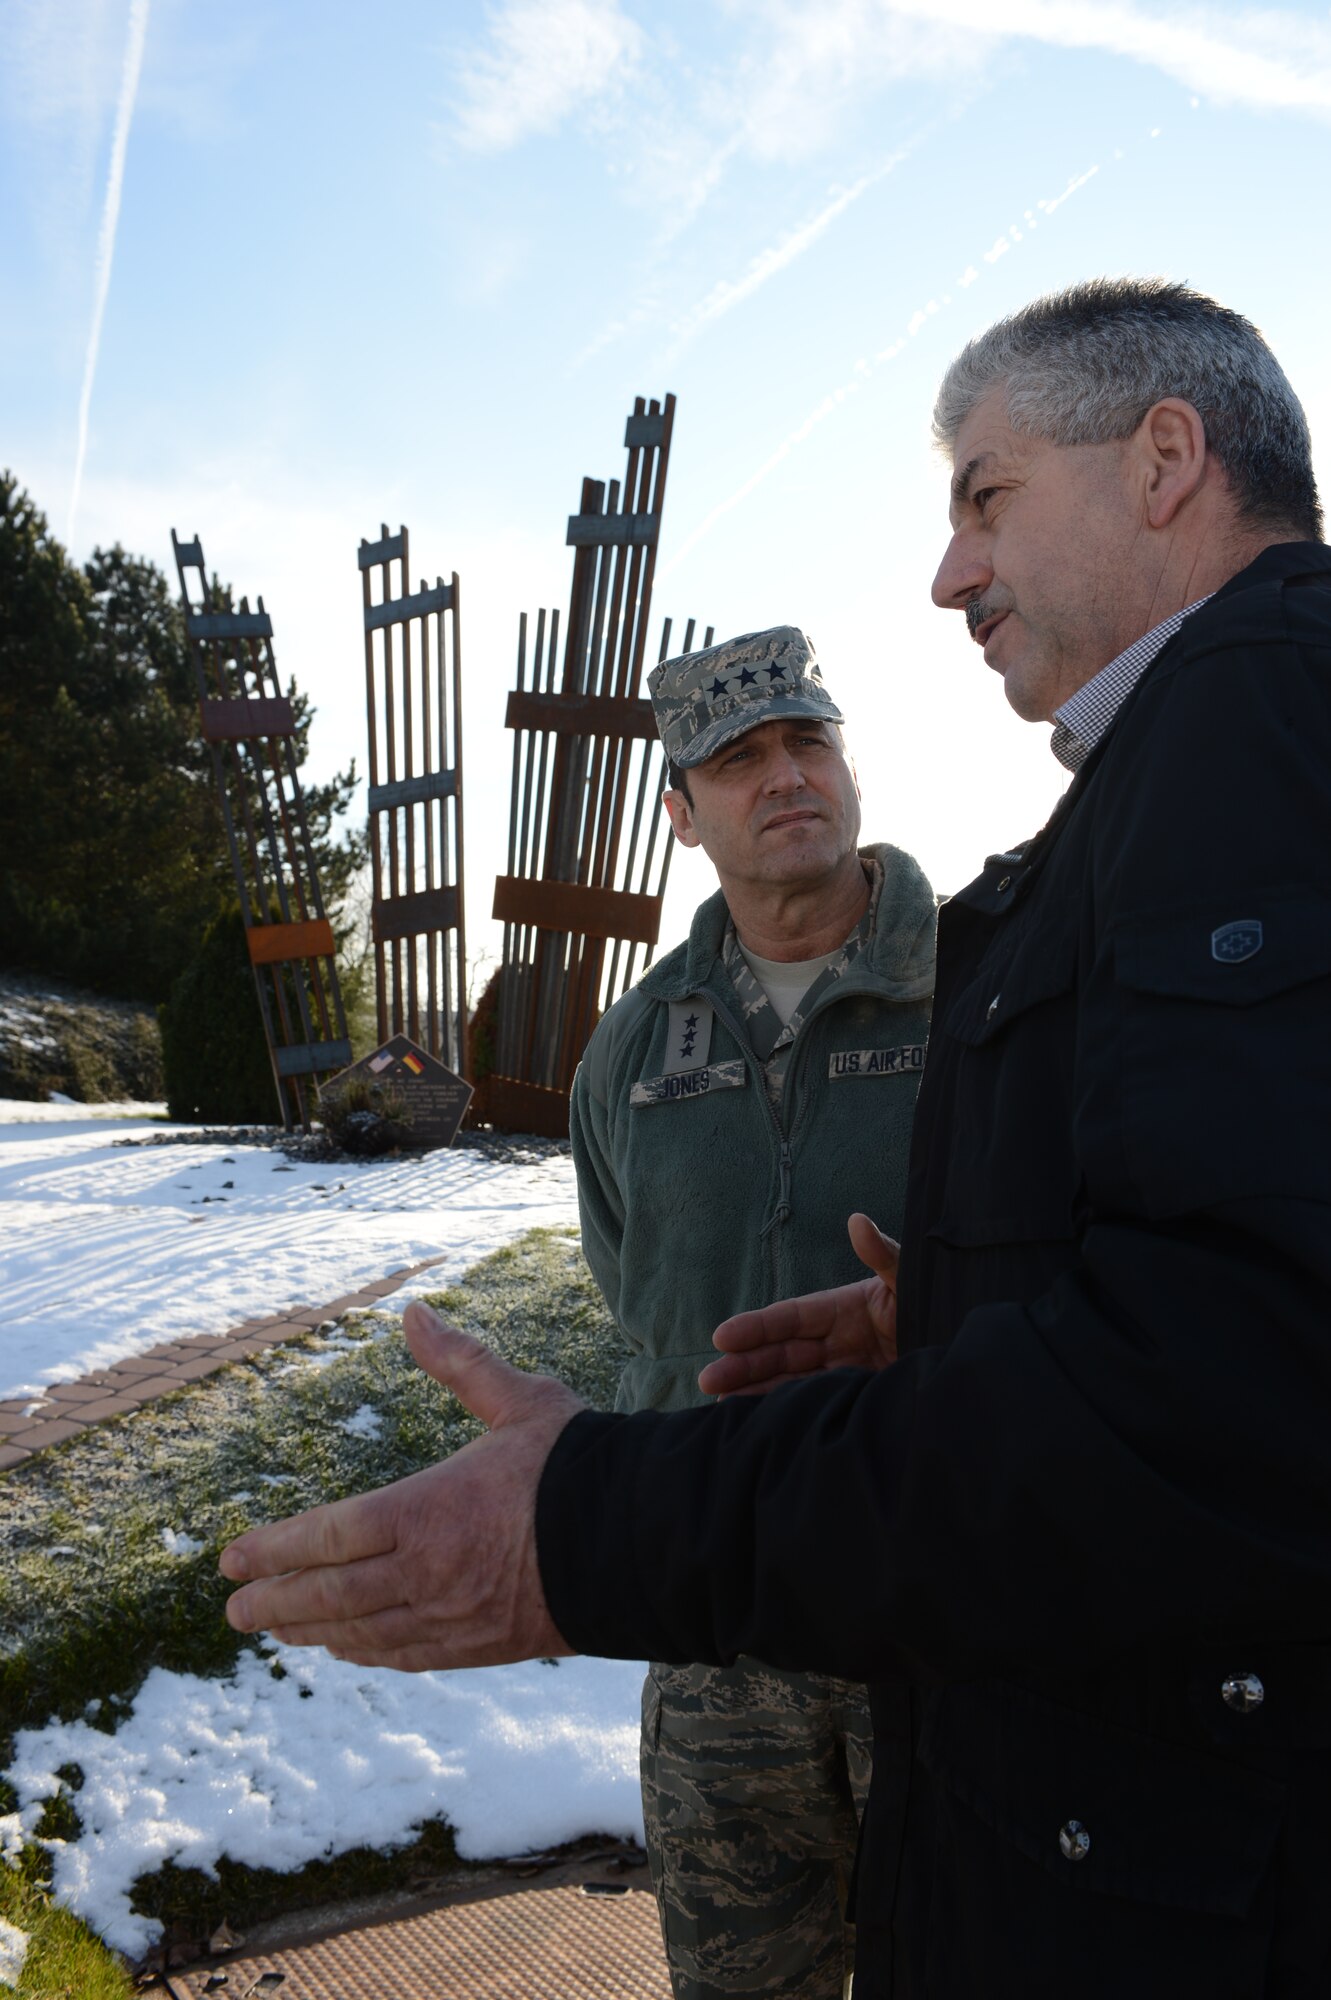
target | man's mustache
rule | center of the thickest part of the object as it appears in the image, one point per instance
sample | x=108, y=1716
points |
x=979, y=611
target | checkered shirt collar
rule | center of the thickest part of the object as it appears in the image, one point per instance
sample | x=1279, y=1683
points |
x=1083, y=720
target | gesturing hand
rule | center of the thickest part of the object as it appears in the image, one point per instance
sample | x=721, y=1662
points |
x=851, y=1326
x=438, y=1570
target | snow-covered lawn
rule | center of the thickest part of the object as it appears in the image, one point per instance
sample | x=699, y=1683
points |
x=278, y=1773
x=105, y=1250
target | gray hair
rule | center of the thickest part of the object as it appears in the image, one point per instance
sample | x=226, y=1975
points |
x=1085, y=365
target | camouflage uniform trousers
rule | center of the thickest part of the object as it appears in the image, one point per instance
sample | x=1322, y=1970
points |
x=753, y=1781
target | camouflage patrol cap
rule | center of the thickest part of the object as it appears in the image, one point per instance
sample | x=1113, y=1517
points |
x=704, y=700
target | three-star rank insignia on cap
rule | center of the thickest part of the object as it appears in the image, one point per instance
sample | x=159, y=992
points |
x=1232, y=943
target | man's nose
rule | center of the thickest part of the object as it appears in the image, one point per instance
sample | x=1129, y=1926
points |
x=964, y=573
x=784, y=773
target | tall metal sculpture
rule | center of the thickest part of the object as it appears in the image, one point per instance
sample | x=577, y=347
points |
x=249, y=727
x=582, y=751
x=413, y=694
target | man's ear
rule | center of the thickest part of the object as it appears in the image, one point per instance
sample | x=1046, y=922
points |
x=1171, y=439
x=681, y=818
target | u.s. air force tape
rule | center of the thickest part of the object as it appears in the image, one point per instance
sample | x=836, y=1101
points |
x=671, y=1088
x=907, y=1061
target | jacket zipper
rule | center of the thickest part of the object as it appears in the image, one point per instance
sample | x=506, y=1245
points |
x=782, y=1212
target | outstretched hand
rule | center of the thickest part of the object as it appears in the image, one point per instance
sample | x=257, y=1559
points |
x=437, y=1570
x=851, y=1326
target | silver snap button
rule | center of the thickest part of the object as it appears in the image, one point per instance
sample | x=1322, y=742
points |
x=1074, y=1841
x=1243, y=1692
x=993, y=1007
x=1006, y=882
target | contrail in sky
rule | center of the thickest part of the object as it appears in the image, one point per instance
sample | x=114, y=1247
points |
x=732, y=292
x=864, y=369
x=106, y=236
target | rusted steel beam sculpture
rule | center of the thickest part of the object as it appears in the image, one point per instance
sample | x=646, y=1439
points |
x=413, y=695
x=249, y=727
x=577, y=903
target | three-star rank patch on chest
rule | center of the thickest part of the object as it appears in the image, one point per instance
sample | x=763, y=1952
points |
x=687, y=1071
x=688, y=1034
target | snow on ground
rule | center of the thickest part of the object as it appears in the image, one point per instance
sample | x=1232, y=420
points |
x=281, y=1772
x=106, y=1250
x=59, y=1109
x=13, y=1951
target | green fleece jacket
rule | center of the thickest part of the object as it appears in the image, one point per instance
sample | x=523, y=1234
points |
x=699, y=1200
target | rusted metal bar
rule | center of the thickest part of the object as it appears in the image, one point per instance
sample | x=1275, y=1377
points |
x=249, y=726
x=274, y=944
x=413, y=669
x=579, y=714
x=654, y=822
x=507, y=969
x=575, y=891
x=587, y=997
x=612, y=982
x=370, y=554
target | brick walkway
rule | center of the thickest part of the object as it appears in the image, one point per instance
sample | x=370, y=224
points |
x=29, y=1423
x=496, y=1939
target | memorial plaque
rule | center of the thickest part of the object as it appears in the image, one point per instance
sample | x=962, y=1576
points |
x=435, y=1097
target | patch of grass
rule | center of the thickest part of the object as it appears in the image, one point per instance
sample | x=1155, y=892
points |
x=64, y=1960
x=92, y=1596
x=194, y=1904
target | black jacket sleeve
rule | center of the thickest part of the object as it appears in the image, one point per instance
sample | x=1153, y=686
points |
x=1140, y=1454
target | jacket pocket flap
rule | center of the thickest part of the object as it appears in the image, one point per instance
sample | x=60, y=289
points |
x=1143, y=1818
x=1043, y=964
x=1250, y=948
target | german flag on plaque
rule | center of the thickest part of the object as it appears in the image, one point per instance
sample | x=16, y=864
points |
x=422, y=1098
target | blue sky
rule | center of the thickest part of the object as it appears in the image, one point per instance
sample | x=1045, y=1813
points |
x=273, y=274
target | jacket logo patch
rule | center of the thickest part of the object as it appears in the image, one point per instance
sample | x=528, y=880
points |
x=906, y=1061
x=676, y=1084
x=1232, y=943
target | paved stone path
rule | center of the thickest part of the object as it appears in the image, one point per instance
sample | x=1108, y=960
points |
x=29, y=1423
x=586, y=1930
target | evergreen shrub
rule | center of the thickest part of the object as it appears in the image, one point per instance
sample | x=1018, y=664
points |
x=214, y=1054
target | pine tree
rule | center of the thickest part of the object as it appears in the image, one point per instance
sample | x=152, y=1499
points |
x=113, y=860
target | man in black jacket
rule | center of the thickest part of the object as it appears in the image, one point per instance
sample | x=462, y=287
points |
x=1079, y=1534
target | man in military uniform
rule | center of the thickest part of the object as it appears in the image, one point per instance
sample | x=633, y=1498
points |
x=752, y=1092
